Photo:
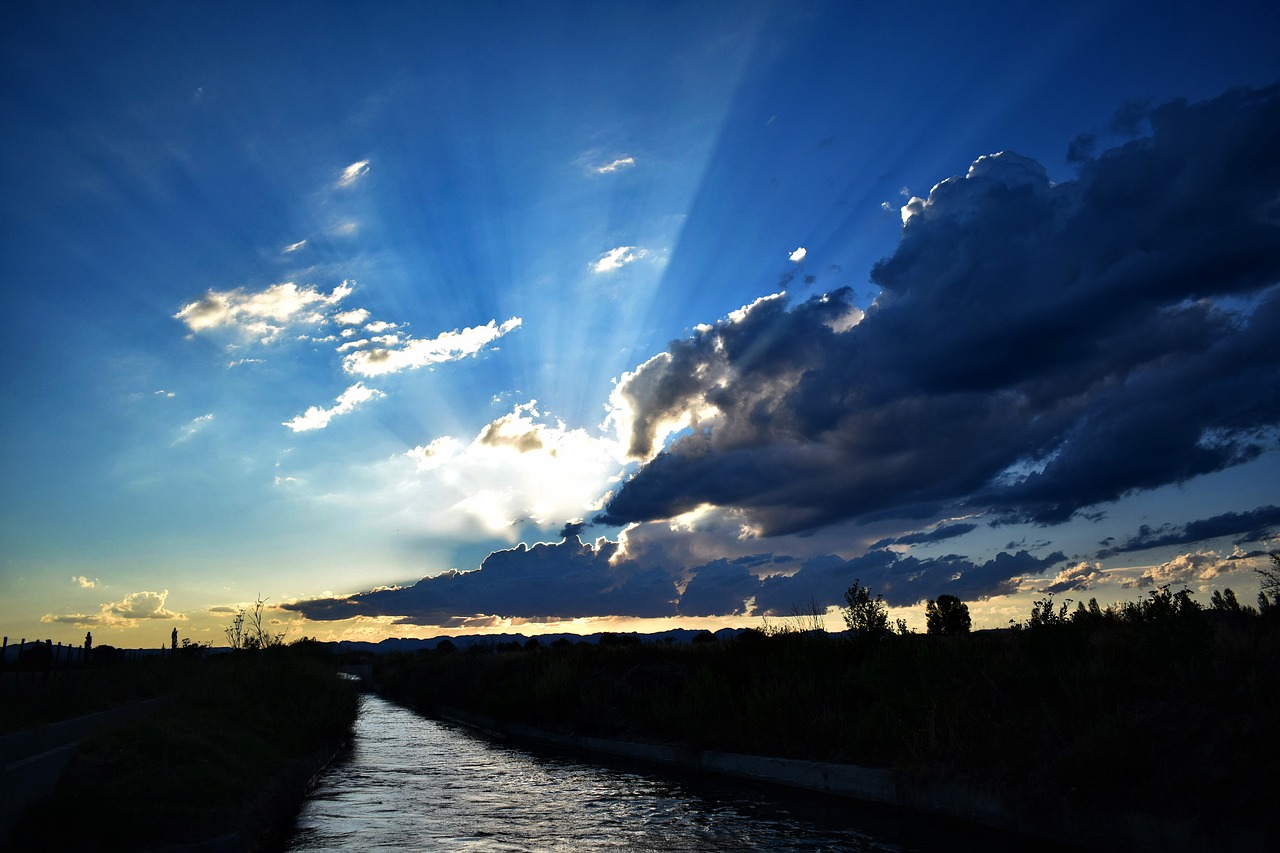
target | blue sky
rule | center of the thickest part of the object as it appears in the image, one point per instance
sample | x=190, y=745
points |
x=329, y=304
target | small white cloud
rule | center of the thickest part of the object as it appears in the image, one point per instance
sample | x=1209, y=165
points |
x=318, y=418
x=263, y=314
x=193, y=426
x=449, y=346
x=293, y=247
x=351, y=318
x=379, y=326
x=121, y=614
x=350, y=345
x=620, y=163
x=615, y=259
x=164, y=393
x=353, y=173
x=348, y=333
x=240, y=361
x=798, y=255
x=85, y=583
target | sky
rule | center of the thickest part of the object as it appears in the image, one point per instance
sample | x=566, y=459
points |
x=418, y=319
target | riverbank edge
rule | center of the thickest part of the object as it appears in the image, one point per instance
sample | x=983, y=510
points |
x=985, y=805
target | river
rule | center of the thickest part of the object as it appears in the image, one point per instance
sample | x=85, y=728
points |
x=412, y=783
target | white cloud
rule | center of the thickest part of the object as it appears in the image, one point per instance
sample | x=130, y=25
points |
x=914, y=207
x=448, y=346
x=379, y=326
x=518, y=466
x=617, y=258
x=798, y=255
x=351, y=318
x=263, y=314
x=193, y=426
x=350, y=345
x=85, y=583
x=1188, y=569
x=353, y=173
x=1080, y=576
x=318, y=418
x=620, y=163
x=121, y=614
x=163, y=393
x=293, y=247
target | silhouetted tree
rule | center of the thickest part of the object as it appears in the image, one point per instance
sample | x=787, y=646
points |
x=1226, y=601
x=947, y=615
x=863, y=614
x=1269, y=594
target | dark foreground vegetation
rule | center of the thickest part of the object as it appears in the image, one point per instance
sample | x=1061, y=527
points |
x=227, y=755
x=1161, y=707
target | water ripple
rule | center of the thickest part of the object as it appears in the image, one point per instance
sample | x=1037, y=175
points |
x=410, y=783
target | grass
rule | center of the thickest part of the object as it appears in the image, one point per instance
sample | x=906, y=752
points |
x=229, y=755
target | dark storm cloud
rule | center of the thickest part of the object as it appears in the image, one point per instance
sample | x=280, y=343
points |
x=1252, y=526
x=1128, y=119
x=568, y=579
x=722, y=587
x=1037, y=349
x=1080, y=150
x=949, y=531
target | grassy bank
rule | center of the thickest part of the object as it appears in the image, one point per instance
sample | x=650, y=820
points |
x=1160, y=710
x=228, y=756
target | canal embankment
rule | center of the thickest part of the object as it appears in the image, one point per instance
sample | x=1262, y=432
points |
x=223, y=762
x=1115, y=736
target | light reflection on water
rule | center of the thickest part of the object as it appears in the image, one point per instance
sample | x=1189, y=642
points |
x=411, y=783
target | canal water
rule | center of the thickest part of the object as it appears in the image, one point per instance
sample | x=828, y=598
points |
x=412, y=783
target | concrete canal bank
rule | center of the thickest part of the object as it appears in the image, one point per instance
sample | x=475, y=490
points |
x=1048, y=820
